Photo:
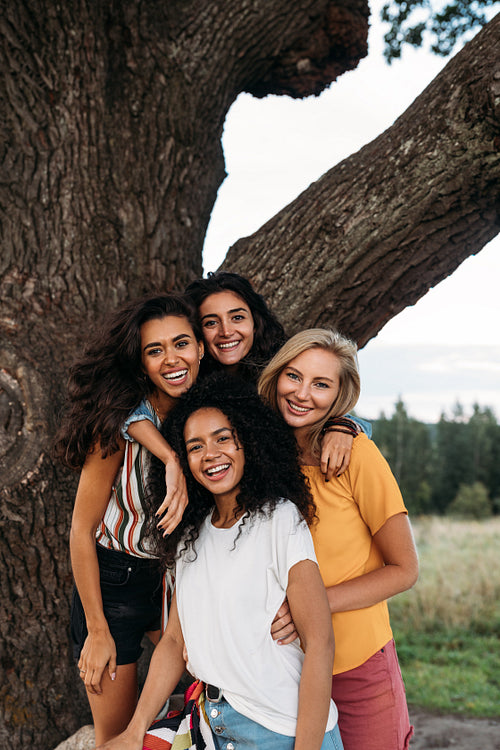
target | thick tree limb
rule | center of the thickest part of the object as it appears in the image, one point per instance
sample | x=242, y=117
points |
x=388, y=223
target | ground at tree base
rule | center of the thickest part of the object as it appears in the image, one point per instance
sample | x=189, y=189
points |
x=432, y=732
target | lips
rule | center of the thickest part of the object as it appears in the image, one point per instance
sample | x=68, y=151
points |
x=217, y=472
x=176, y=376
x=228, y=346
x=298, y=410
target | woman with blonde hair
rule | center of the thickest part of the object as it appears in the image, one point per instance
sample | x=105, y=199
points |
x=349, y=382
x=363, y=540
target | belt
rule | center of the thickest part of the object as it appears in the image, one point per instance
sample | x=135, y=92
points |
x=212, y=693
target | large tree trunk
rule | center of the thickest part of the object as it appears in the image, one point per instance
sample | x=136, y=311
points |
x=111, y=114
x=377, y=231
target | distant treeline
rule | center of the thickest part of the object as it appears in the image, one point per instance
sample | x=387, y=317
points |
x=452, y=467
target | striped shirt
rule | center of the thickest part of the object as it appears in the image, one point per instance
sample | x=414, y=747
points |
x=122, y=527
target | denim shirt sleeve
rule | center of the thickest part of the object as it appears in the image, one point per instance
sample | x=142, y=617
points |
x=138, y=415
x=363, y=423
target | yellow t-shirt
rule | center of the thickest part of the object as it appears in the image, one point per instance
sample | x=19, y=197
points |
x=351, y=509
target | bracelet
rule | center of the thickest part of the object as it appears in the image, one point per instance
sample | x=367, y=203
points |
x=352, y=433
x=345, y=422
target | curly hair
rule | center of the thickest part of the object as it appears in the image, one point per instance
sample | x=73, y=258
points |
x=349, y=381
x=271, y=471
x=108, y=381
x=269, y=334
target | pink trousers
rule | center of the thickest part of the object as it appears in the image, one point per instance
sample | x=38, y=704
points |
x=371, y=699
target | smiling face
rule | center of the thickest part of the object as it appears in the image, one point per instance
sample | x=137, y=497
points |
x=307, y=388
x=170, y=356
x=228, y=327
x=215, y=457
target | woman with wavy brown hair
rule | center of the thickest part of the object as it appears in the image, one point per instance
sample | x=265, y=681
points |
x=145, y=355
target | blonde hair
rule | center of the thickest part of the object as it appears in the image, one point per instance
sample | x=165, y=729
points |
x=349, y=382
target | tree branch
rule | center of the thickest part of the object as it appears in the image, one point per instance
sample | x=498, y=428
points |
x=385, y=225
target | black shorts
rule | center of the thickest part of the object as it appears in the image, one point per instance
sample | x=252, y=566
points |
x=132, y=596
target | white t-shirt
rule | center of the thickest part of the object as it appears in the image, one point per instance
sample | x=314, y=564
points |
x=227, y=599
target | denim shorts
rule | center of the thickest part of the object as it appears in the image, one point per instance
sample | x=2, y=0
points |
x=232, y=731
x=132, y=596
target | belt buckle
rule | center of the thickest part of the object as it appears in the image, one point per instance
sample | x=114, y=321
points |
x=213, y=694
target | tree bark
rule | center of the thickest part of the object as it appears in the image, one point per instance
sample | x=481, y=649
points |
x=111, y=115
x=377, y=231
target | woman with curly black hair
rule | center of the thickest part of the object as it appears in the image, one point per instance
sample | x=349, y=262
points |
x=272, y=471
x=242, y=546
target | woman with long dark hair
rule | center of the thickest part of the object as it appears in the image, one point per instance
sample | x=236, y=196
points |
x=241, y=333
x=144, y=356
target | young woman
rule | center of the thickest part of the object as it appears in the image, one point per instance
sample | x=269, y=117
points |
x=241, y=547
x=363, y=539
x=241, y=333
x=147, y=353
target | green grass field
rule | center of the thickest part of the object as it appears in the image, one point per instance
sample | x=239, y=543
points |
x=447, y=628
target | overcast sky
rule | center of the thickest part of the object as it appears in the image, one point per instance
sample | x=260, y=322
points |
x=275, y=147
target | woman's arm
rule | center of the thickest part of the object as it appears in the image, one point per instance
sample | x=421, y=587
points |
x=147, y=434
x=92, y=497
x=176, y=499
x=165, y=670
x=309, y=608
x=395, y=543
x=336, y=443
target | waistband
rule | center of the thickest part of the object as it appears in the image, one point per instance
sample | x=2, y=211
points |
x=126, y=560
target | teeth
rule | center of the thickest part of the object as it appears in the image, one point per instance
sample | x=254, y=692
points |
x=302, y=409
x=175, y=375
x=229, y=345
x=218, y=469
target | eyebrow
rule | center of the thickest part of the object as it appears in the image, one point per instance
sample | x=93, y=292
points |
x=235, y=309
x=320, y=377
x=215, y=432
x=175, y=339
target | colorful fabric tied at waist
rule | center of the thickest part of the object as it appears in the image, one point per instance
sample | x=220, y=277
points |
x=183, y=730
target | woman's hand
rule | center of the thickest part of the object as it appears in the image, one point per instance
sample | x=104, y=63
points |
x=176, y=499
x=165, y=670
x=283, y=627
x=335, y=453
x=98, y=652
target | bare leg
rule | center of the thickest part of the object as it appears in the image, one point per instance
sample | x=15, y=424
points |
x=113, y=709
